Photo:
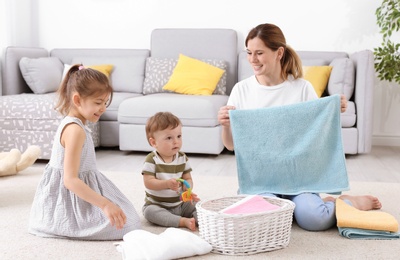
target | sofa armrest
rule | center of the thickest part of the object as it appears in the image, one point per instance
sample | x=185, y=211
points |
x=363, y=97
x=12, y=80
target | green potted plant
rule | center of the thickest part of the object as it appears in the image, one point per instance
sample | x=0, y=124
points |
x=387, y=56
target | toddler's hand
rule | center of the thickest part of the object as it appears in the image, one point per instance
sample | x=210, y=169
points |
x=173, y=184
x=115, y=215
x=194, y=197
x=223, y=115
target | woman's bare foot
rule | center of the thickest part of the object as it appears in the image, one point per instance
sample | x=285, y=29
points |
x=189, y=223
x=329, y=198
x=365, y=202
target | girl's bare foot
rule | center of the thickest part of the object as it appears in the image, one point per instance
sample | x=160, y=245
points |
x=365, y=202
x=189, y=223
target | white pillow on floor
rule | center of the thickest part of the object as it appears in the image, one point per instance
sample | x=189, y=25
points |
x=171, y=244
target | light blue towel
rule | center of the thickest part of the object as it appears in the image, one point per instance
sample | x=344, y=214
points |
x=290, y=149
x=357, y=233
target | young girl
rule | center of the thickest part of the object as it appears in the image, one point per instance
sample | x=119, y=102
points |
x=278, y=81
x=73, y=199
x=161, y=169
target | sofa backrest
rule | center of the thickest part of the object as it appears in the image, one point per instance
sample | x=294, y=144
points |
x=12, y=81
x=128, y=64
x=219, y=44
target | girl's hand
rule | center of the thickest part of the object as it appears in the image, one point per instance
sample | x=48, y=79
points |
x=223, y=115
x=343, y=103
x=173, y=184
x=115, y=215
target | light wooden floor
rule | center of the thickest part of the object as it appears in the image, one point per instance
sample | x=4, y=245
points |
x=381, y=165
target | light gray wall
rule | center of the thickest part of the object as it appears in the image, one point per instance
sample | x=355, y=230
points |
x=340, y=25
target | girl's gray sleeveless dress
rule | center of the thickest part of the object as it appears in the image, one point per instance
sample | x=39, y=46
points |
x=58, y=212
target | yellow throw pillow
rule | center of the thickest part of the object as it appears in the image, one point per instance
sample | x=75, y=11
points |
x=193, y=77
x=105, y=69
x=318, y=76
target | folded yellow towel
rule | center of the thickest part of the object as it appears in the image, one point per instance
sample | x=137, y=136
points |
x=350, y=217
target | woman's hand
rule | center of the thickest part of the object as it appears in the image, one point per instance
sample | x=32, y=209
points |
x=223, y=115
x=115, y=215
x=343, y=103
x=224, y=120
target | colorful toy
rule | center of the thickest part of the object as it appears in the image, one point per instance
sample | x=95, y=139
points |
x=186, y=195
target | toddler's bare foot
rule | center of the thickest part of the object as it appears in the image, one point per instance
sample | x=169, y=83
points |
x=189, y=223
x=365, y=202
x=329, y=198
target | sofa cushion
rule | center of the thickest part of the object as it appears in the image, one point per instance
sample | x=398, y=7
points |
x=313, y=62
x=111, y=113
x=104, y=68
x=193, y=110
x=43, y=75
x=159, y=71
x=193, y=77
x=210, y=43
x=318, y=76
x=342, y=77
x=127, y=75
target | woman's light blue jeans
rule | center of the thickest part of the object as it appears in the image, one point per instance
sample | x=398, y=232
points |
x=311, y=212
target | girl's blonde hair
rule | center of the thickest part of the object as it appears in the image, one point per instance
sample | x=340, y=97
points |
x=84, y=81
x=273, y=38
x=161, y=121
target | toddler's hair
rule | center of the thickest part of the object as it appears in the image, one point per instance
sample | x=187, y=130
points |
x=86, y=82
x=161, y=121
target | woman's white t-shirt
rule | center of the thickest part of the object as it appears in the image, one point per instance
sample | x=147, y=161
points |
x=249, y=94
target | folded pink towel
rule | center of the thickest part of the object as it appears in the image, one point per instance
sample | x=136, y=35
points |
x=250, y=204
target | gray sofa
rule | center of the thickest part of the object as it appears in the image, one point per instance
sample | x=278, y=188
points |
x=138, y=75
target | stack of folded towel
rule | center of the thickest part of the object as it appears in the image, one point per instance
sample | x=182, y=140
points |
x=358, y=224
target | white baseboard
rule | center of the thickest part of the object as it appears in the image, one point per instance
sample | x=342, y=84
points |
x=386, y=140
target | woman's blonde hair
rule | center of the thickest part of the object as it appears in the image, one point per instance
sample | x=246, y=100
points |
x=273, y=38
x=84, y=81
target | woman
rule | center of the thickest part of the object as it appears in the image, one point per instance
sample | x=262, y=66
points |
x=278, y=81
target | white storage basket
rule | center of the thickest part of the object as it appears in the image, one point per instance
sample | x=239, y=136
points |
x=244, y=234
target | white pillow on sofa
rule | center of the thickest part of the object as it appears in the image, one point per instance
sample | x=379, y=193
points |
x=43, y=75
x=65, y=71
x=341, y=80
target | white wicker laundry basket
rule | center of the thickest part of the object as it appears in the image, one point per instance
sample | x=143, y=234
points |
x=244, y=234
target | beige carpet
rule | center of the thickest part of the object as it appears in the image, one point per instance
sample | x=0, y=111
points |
x=16, y=194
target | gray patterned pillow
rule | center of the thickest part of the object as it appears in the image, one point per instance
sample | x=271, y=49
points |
x=159, y=70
